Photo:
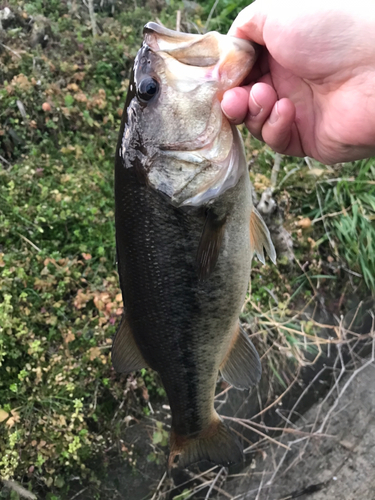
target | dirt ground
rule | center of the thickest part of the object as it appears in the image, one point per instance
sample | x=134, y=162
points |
x=332, y=449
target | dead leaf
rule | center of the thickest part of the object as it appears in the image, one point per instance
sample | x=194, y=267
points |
x=67, y=149
x=15, y=418
x=109, y=306
x=38, y=372
x=62, y=420
x=65, y=178
x=3, y=415
x=21, y=81
x=261, y=182
x=69, y=337
x=304, y=223
x=87, y=256
x=81, y=299
x=79, y=76
x=316, y=171
x=80, y=97
x=94, y=353
x=73, y=86
x=44, y=271
x=101, y=299
x=312, y=242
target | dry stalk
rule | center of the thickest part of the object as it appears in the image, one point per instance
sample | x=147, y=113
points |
x=159, y=486
x=10, y=50
x=331, y=242
x=178, y=20
x=92, y=18
x=277, y=400
x=210, y=16
x=193, y=476
x=275, y=170
x=257, y=431
x=214, y=482
x=18, y=489
x=346, y=385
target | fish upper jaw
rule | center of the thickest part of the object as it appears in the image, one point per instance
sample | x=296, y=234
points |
x=213, y=57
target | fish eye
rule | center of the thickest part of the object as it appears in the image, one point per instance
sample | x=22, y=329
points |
x=147, y=89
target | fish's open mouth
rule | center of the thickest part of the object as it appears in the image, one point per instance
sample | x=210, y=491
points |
x=223, y=59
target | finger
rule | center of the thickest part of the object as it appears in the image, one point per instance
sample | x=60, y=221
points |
x=249, y=24
x=280, y=131
x=235, y=104
x=262, y=98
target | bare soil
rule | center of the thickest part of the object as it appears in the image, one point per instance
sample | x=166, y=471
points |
x=334, y=464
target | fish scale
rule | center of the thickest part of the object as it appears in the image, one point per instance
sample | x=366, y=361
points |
x=184, y=265
x=178, y=313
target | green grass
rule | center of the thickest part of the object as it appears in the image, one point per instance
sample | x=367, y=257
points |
x=340, y=202
x=351, y=232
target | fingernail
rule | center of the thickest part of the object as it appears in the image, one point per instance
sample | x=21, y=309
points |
x=255, y=108
x=274, y=116
x=230, y=118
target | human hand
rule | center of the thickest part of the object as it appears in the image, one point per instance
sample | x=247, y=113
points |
x=312, y=90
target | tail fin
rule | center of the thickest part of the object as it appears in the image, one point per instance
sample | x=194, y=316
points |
x=216, y=444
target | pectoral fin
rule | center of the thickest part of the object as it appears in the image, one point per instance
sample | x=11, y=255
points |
x=241, y=366
x=260, y=238
x=210, y=244
x=126, y=356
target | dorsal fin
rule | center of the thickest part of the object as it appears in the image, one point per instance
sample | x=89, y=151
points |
x=126, y=356
x=241, y=365
x=260, y=238
x=210, y=244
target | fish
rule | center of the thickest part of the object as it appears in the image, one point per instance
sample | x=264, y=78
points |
x=186, y=232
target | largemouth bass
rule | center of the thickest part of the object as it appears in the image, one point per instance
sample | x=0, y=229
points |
x=186, y=231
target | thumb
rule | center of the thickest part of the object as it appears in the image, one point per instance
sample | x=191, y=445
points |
x=250, y=22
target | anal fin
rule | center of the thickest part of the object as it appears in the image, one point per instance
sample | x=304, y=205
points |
x=210, y=244
x=241, y=366
x=217, y=444
x=260, y=238
x=126, y=356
